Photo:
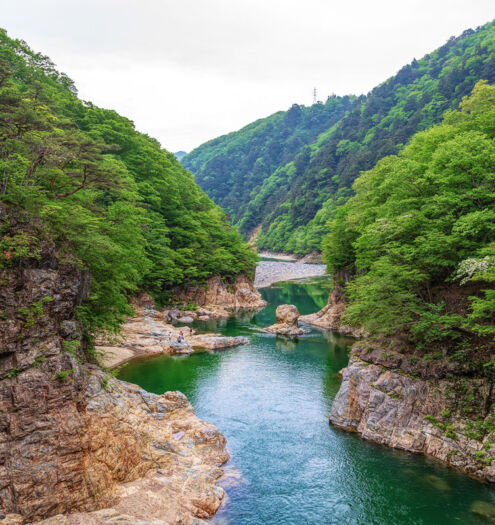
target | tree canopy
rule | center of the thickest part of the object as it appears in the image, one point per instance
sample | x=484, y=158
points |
x=419, y=233
x=110, y=198
x=294, y=194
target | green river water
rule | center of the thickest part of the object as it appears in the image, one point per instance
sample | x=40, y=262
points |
x=271, y=399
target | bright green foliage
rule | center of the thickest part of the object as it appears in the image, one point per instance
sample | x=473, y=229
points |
x=232, y=168
x=300, y=194
x=481, y=269
x=419, y=234
x=110, y=198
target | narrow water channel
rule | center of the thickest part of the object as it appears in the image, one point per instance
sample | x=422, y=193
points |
x=271, y=399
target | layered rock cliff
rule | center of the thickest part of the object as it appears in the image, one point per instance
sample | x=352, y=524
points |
x=221, y=297
x=72, y=438
x=420, y=406
x=419, y=401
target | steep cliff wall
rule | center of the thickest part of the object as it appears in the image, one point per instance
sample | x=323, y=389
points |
x=423, y=407
x=216, y=294
x=71, y=437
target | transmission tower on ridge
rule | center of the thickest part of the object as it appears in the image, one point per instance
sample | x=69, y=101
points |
x=314, y=95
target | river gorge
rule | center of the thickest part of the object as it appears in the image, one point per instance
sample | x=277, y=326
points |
x=271, y=399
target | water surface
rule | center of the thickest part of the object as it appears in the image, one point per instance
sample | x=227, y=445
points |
x=271, y=399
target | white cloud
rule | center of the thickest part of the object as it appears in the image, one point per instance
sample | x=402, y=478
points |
x=189, y=70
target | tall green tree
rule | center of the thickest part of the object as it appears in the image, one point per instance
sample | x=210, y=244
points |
x=419, y=233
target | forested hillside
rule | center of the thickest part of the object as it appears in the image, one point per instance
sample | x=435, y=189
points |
x=297, y=198
x=419, y=238
x=108, y=198
x=232, y=168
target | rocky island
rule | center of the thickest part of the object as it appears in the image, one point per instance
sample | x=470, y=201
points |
x=287, y=324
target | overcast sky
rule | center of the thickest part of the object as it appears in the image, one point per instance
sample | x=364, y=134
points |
x=186, y=71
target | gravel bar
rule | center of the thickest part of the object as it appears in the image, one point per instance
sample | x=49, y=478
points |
x=269, y=272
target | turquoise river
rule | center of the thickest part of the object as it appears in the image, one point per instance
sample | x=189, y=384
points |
x=271, y=399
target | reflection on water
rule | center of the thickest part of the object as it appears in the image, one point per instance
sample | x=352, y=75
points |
x=271, y=399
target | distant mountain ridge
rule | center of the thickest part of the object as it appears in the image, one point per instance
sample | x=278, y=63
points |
x=232, y=168
x=291, y=193
x=179, y=155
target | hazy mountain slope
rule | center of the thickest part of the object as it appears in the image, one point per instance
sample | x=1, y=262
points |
x=232, y=168
x=295, y=201
x=380, y=125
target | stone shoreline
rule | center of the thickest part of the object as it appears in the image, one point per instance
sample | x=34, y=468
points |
x=382, y=400
x=148, y=335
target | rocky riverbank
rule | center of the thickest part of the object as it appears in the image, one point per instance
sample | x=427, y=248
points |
x=148, y=334
x=395, y=400
x=269, y=272
x=278, y=256
x=149, y=459
x=330, y=316
x=407, y=401
x=222, y=298
x=75, y=440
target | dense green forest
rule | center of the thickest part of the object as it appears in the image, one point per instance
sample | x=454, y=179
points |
x=419, y=237
x=109, y=198
x=232, y=168
x=301, y=193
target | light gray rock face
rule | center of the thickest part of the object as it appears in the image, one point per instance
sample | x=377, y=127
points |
x=217, y=342
x=390, y=407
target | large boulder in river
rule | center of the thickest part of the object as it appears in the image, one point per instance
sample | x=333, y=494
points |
x=287, y=324
x=287, y=314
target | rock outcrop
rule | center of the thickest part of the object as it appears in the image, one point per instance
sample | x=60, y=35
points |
x=383, y=398
x=72, y=438
x=312, y=258
x=286, y=317
x=148, y=457
x=221, y=299
x=330, y=317
x=148, y=334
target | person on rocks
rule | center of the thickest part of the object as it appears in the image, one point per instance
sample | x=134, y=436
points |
x=181, y=339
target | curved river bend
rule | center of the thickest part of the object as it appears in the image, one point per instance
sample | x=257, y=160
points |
x=271, y=399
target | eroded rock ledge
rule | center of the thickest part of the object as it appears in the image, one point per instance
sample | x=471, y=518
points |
x=330, y=316
x=451, y=420
x=148, y=458
x=149, y=334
